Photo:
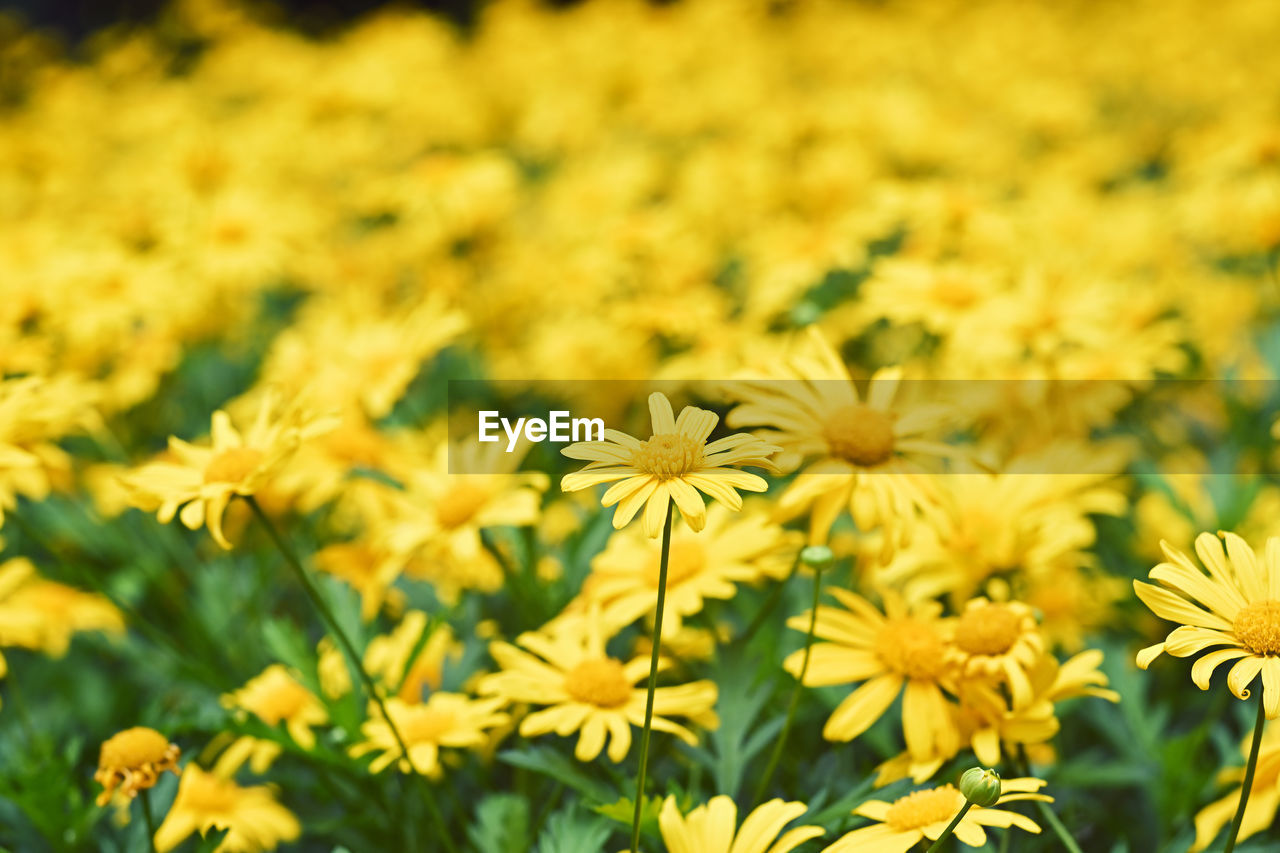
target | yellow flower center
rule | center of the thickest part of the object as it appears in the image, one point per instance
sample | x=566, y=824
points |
x=989, y=630
x=922, y=808
x=668, y=455
x=233, y=465
x=426, y=725
x=356, y=445
x=687, y=560
x=460, y=504
x=859, y=434
x=134, y=748
x=284, y=701
x=1257, y=627
x=910, y=647
x=601, y=682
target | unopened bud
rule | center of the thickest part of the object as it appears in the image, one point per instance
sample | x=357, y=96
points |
x=981, y=787
x=817, y=556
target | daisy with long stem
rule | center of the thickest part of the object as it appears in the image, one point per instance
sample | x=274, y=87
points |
x=1236, y=607
x=673, y=465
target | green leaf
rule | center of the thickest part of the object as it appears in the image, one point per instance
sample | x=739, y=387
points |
x=501, y=824
x=549, y=762
x=624, y=811
x=571, y=830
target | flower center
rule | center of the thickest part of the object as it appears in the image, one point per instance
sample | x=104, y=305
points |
x=134, y=748
x=232, y=466
x=922, y=808
x=356, y=445
x=989, y=630
x=426, y=725
x=668, y=455
x=910, y=647
x=601, y=682
x=287, y=699
x=859, y=434
x=1257, y=627
x=460, y=504
x=687, y=559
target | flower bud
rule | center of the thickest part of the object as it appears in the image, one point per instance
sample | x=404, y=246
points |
x=981, y=787
x=817, y=556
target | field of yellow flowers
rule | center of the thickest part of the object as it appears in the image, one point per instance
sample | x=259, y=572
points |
x=919, y=487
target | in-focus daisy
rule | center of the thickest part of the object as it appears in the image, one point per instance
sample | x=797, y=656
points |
x=922, y=814
x=730, y=550
x=711, y=828
x=132, y=760
x=1235, y=607
x=444, y=720
x=901, y=651
x=999, y=641
x=673, y=464
x=583, y=689
x=203, y=480
x=865, y=452
x=205, y=801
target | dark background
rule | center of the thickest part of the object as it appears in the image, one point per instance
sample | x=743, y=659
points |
x=74, y=19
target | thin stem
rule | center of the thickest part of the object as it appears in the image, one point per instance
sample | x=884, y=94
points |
x=149, y=818
x=1247, y=786
x=1050, y=817
x=951, y=827
x=770, y=605
x=353, y=657
x=653, y=680
x=781, y=742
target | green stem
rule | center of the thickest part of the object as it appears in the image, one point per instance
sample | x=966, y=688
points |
x=781, y=742
x=353, y=657
x=653, y=680
x=1048, y=814
x=149, y=818
x=1247, y=786
x=951, y=827
x=770, y=605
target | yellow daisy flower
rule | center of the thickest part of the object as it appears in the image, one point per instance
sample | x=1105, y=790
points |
x=674, y=464
x=584, y=689
x=388, y=656
x=207, y=801
x=132, y=760
x=999, y=641
x=730, y=550
x=867, y=451
x=1236, y=606
x=901, y=651
x=274, y=697
x=432, y=529
x=203, y=480
x=710, y=828
x=926, y=813
x=41, y=614
x=445, y=719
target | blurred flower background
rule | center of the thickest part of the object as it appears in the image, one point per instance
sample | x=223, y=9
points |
x=243, y=250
